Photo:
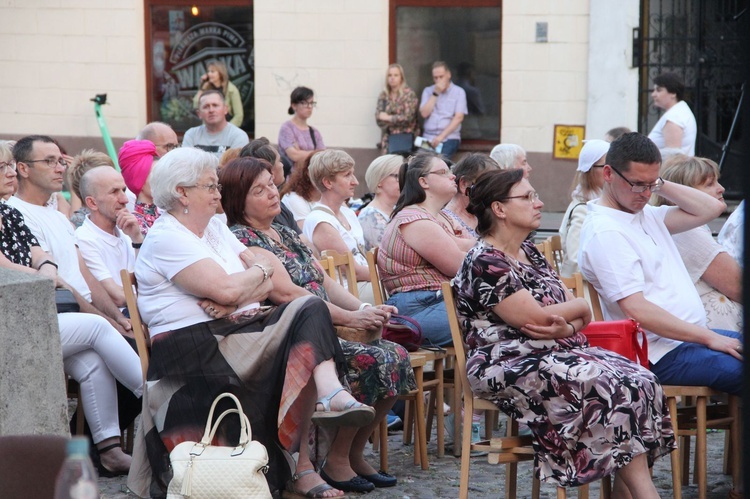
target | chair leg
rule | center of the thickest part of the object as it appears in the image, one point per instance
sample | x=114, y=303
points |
x=675, y=456
x=700, y=446
x=685, y=457
x=408, y=421
x=536, y=487
x=736, y=439
x=384, y=445
x=561, y=494
x=440, y=402
x=606, y=487
x=511, y=469
x=583, y=492
x=420, y=441
x=465, y=451
x=457, y=404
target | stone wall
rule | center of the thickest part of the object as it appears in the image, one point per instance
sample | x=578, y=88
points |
x=32, y=389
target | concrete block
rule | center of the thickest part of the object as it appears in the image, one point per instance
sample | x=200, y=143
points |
x=32, y=388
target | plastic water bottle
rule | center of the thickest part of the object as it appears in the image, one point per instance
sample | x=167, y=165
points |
x=77, y=478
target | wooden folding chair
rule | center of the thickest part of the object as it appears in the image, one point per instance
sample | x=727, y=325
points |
x=140, y=330
x=553, y=252
x=343, y=269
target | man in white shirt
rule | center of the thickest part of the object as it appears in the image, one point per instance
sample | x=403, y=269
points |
x=628, y=254
x=216, y=134
x=94, y=351
x=110, y=235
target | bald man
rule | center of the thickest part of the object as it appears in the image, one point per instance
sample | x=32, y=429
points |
x=110, y=236
x=161, y=135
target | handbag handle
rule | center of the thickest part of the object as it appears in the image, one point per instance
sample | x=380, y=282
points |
x=641, y=347
x=209, y=432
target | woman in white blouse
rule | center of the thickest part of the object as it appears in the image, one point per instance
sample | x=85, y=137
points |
x=717, y=276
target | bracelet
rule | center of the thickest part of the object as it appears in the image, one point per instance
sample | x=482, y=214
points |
x=136, y=245
x=364, y=306
x=47, y=262
x=574, y=328
x=435, y=94
x=262, y=268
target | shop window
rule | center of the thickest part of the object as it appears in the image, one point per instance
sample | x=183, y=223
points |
x=468, y=39
x=182, y=39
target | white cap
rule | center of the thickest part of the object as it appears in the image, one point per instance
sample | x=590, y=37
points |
x=591, y=151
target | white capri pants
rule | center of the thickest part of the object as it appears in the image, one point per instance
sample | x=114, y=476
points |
x=95, y=354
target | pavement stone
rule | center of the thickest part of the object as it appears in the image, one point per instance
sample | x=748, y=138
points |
x=487, y=481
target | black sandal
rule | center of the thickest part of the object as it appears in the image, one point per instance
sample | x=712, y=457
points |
x=104, y=472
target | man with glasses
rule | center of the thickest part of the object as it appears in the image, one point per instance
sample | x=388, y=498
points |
x=627, y=253
x=161, y=135
x=443, y=107
x=41, y=170
x=216, y=134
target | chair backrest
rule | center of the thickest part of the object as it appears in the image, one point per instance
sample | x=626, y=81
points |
x=380, y=295
x=542, y=248
x=328, y=267
x=140, y=330
x=596, y=305
x=344, y=269
x=553, y=252
x=575, y=284
x=458, y=343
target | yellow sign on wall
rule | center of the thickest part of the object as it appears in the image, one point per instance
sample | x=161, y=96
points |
x=568, y=141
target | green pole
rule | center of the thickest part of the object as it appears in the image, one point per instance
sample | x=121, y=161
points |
x=98, y=101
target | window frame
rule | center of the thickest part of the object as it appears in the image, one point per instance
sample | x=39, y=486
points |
x=467, y=144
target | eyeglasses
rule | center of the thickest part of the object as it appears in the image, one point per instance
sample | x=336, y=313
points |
x=169, y=147
x=211, y=188
x=638, y=188
x=599, y=166
x=51, y=162
x=9, y=165
x=531, y=196
x=443, y=172
x=307, y=103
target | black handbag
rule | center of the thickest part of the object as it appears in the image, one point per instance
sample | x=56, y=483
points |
x=65, y=301
x=400, y=143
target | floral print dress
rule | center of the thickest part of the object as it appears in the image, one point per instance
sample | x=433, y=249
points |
x=591, y=411
x=376, y=370
x=16, y=240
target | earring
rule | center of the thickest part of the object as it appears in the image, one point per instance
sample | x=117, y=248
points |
x=185, y=211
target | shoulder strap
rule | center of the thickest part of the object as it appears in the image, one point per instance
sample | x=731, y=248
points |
x=570, y=215
x=312, y=136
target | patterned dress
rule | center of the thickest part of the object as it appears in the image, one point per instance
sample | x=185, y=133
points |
x=376, y=370
x=591, y=411
x=146, y=214
x=16, y=239
x=403, y=111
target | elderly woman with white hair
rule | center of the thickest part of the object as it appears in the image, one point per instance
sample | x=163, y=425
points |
x=199, y=290
x=588, y=184
x=381, y=178
x=510, y=156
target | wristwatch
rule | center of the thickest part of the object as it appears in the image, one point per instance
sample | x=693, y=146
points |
x=435, y=94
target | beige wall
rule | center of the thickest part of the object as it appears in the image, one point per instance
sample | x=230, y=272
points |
x=56, y=55
x=339, y=48
x=543, y=84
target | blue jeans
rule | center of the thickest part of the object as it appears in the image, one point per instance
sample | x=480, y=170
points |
x=450, y=147
x=692, y=364
x=427, y=308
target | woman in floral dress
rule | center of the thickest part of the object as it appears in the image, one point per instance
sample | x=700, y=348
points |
x=397, y=106
x=378, y=371
x=591, y=412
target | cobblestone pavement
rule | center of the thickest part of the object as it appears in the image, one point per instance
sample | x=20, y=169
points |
x=441, y=480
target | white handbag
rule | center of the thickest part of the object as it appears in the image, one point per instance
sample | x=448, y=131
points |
x=201, y=470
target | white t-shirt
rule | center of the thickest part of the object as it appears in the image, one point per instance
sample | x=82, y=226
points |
x=681, y=115
x=56, y=236
x=299, y=206
x=216, y=143
x=354, y=238
x=731, y=234
x=624, y=253
x=105, y=254
x=169, y=248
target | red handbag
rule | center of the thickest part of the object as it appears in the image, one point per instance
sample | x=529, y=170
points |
x=625, y=337
x=405, y=331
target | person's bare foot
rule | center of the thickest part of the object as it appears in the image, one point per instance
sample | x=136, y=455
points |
x=308, y=480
